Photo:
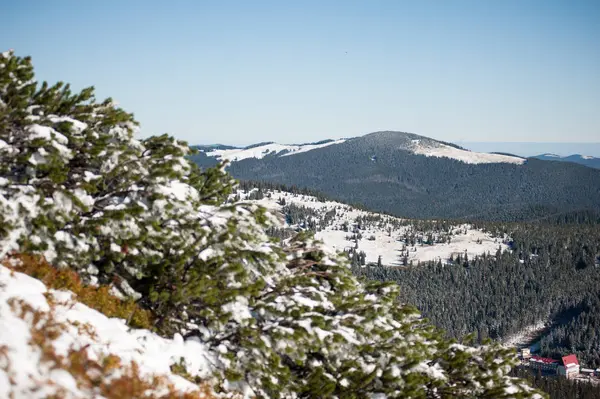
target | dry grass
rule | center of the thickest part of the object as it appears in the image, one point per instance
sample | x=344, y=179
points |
x=98, y=298
x=108, y=376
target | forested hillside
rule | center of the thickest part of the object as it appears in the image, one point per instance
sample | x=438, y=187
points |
x=541, y=277
x=542, y=274
x=376, y=170
x=551, y=275
x=560, y=388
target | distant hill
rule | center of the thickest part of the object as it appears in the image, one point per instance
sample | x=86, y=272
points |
x=529, y=149
x=213, y=147
x=415, y=176
x=262, y=150
x=585, y=160
x=409, y=142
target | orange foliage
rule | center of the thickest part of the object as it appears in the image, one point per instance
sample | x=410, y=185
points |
x=107, y=377
x=98, y=298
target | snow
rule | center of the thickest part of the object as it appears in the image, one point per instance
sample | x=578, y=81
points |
x=525, y=336
x=12, y=214
x=310, y=147
x=587, y=157
x=178, y=190
x=389, y=248
x=89, y=176
x=446, y=151
x=259, y=152
x=465, y=238
x=46, y=133
x=238, y=309
x=34, y=378
x=77, y=125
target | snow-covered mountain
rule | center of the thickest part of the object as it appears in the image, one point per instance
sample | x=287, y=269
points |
x=262, y=150
x=398, y=242
x=414, y=143
x=415, y=176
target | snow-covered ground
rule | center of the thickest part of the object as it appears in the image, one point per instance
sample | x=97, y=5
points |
x=25, y=373
x=259, y=152
x=442, y=150
x=390, y=248
x=388, y=233
x=525, y=336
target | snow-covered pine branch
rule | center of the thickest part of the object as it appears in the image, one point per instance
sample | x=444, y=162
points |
x=283, y=320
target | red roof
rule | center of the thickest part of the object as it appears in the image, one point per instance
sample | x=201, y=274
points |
x=570, y=359
x=545, y=360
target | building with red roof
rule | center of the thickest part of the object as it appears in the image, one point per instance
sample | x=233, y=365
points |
x=543, y=363
x=569, y=367
x=543, y=360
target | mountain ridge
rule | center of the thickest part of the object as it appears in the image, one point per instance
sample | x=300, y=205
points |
x=585, y=160
x=393, y=173
x=405, y=141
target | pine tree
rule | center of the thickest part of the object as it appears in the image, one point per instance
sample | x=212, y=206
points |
x=283, y=320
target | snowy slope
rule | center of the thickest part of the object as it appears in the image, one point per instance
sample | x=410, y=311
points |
x=385, y=237
x=261, y=151
x=446, y=151
x=32, y=376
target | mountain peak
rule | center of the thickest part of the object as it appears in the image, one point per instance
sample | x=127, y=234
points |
x=397, y=137
x=422, y=145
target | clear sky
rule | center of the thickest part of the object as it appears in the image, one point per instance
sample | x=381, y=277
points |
x=239, y=72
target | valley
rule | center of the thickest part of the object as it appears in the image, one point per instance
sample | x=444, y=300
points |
x=517, y=283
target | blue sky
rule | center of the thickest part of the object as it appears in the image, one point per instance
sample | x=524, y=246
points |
x=238, y=72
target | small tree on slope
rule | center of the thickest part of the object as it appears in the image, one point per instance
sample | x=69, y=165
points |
x=283, y=321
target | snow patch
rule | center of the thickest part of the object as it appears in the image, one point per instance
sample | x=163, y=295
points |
x=262, y=151
x=33, y=378
x=446, y=151
x=380, y=240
